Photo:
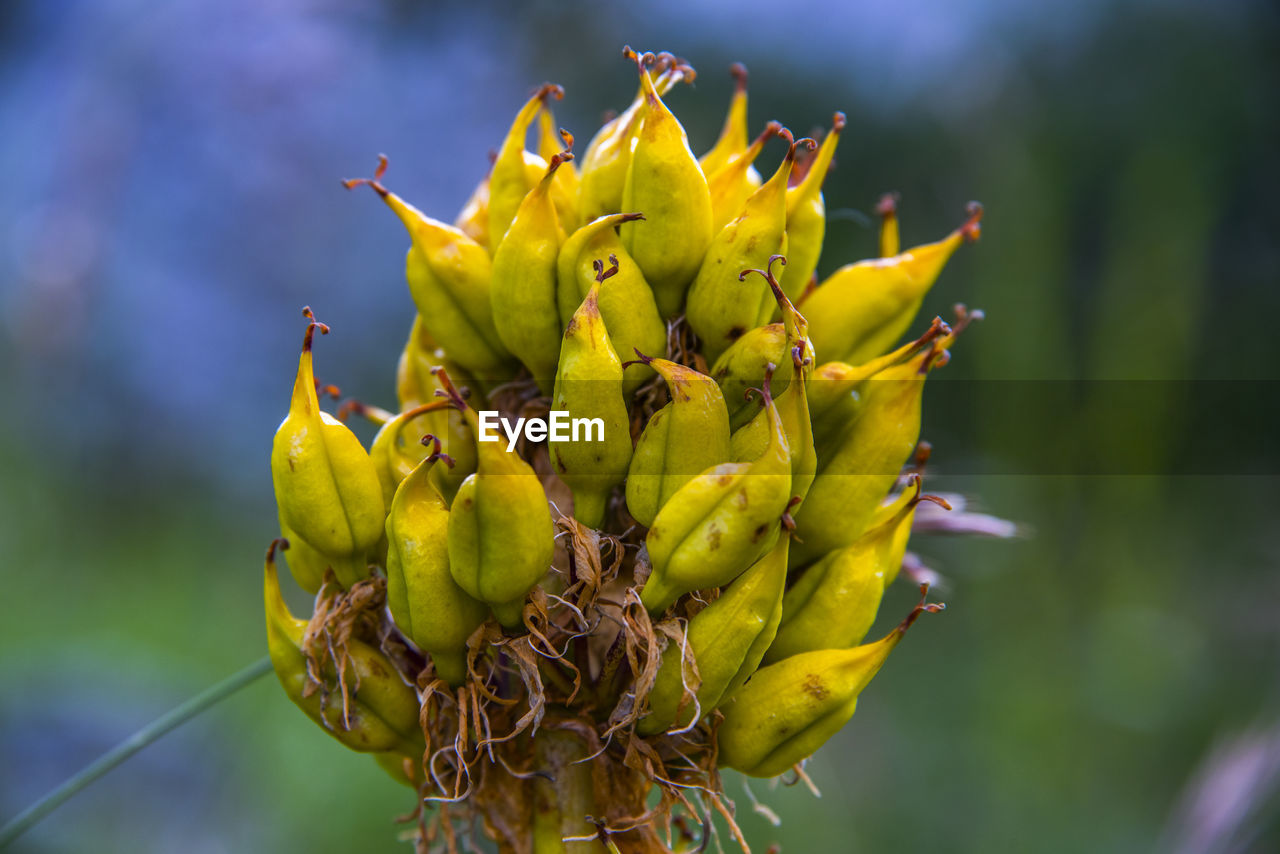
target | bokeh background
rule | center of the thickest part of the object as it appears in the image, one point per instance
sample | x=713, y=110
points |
x=1107, y=682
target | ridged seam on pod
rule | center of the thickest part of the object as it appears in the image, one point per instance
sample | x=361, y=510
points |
x=807, y=215
x=726, y=641
x=589, y=386
x=666, y=183
x=501, y=537
x=721, y=309
x=603, y=172
x=424, y=600
x=448, y=275
x=524, y=281
x=790, y=709
x=862, y=309
x=793, y=404
x=509, y=180
x=626, y=303
x=720, y=522
x=382, y=714
x=835, y=601
x=326, y=488
x=687, y=436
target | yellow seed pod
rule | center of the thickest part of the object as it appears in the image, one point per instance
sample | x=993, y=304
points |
x=721, y=307
x=665, y=182
x=394, y=452
x=524, y=281
x=743, y=365
x=626, y=303
x=382, y=711
x=425, y=602
x=604, y=163
x=751, y=441
x=326, y=487
x=732, y=142
x=565, y=185
x=682, y=439
x=448, y=275
x=731, y=185
x=890, y=243
x=807, y=216
x=417, y=384
x=500, y=535
x=589, y=388
x=727, y=640
x=835, y=389
x=835, y=601
x=509, y=180
x=717, y=524
x=790, y=709
x=862, y=467
x=862, y=309
x=473, y=219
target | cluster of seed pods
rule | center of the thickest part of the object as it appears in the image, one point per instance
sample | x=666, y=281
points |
x=557, y=637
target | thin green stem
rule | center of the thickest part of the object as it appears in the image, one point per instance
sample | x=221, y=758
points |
x=122, y=751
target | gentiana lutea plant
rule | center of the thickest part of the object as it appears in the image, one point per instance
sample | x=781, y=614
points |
x=559, y=641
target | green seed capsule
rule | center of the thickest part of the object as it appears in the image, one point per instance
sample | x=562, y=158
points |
x=728, y=638
x=425, y=602
x=382, y=712
x=835, y=601
x=722, y=307
x=626, y=303
x=682, y=439
x=666, y=183
x=717, y=524
x=790, y=709
x=862, y=309
x=326, y=487
x=868, y=457
x=500, y=534
x=589, y=388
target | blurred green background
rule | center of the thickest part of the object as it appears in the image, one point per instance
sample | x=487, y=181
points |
x=1106, y=683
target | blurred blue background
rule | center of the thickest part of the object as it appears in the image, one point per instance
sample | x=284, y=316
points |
x=171, y=199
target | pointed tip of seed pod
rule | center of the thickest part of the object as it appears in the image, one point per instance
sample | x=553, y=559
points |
x=557, y=160
x=278, y=544
x=309, y=336
x=804, y=142
x=374, y=183
x=549, y=90
x=567, y=138
x=641, y=358
x=601, y=272
x=920, y=608
x=887, y=207
x=838, y=122
x=738, y=72
x=449, y=391
x=430, y=441
x=972, y=228
x=628, y=217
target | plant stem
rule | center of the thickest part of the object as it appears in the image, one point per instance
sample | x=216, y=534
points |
x=122, y=751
